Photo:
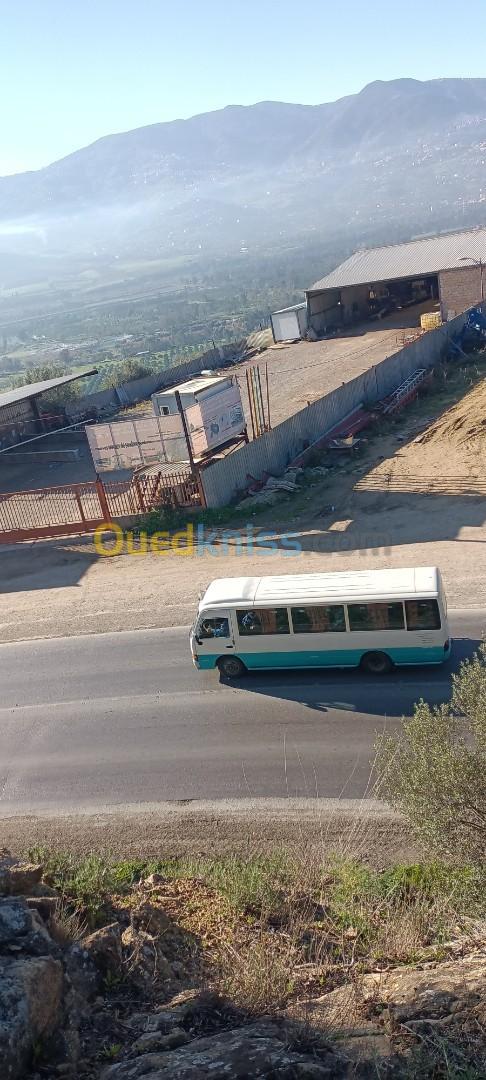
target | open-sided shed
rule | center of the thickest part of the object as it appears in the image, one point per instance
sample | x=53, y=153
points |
x=20, y=417
x=447, y=269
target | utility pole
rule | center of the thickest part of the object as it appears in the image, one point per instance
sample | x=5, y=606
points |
x=194, y=468
x=250, y=402
x=269, y=425
x=185, y=430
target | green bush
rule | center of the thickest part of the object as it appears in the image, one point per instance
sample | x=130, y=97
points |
x=435, y=770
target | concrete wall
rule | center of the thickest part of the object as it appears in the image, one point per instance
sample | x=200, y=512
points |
x=224, y=480
x=459, y=289
x=141, y=389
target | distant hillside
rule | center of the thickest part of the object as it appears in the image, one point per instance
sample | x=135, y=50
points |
x=403, y=155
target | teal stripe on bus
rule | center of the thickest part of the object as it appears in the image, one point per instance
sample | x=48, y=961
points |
x=339, y=658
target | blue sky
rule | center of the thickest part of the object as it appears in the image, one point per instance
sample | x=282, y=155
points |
x=74, y=70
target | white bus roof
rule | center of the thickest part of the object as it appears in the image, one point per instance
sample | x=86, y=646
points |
x=356, y=585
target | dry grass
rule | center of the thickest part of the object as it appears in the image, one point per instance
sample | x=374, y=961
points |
x=68, y=925
x=259, y=976
x=267, y=931
x=335, y=923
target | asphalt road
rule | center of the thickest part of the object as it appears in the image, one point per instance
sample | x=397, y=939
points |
x=110, y=720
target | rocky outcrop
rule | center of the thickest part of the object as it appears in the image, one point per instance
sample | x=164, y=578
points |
x=32, y=991
x=105, y=949
x=366, y=1018
x=39, y=1006
x=31, y=1006
x=253, y=1051
x=22, y=929
x=18, y=878
x=440, y=995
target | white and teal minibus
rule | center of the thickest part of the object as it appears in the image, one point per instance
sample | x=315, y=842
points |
x=373, y=619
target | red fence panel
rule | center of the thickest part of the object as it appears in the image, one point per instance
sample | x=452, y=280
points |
x=76, y=508
x=43, y=509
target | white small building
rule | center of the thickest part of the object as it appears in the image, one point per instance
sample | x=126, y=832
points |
x=289, y=323
x=212, y=407
x=213, y=413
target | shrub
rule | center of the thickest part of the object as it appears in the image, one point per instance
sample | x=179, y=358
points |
x=435, y=770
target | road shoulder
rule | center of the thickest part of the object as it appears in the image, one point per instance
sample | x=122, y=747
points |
x=363, y=828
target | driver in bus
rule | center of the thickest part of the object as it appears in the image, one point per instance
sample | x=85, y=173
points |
x=215, y=628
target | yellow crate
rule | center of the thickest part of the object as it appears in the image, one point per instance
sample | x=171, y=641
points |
x=431, y=320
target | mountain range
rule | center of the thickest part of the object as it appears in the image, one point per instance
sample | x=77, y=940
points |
x=397, y=158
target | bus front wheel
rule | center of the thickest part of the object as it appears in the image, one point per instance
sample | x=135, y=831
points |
x=376, y=663
x=231, y=667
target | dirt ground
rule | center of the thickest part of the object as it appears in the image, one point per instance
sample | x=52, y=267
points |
x=38, y=469
x=447, y=458
x=300, y=373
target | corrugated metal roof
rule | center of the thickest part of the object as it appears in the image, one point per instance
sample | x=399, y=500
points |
x=415, y=259
x=30, y=390
x=293, y=307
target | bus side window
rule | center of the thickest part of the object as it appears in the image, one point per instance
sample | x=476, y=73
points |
x=380, y=616
x=262, y=621
x=422, y=614
x=319, y=620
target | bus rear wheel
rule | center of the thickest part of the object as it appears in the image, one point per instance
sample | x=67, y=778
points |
x=376, y=663
x=231, y=667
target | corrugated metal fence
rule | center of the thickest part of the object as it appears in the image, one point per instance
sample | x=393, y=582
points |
x=273, y=451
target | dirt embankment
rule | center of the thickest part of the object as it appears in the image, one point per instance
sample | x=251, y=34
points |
x=448, y=456
x=464, y=425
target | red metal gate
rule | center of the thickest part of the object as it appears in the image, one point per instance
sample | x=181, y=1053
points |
x=81, y=508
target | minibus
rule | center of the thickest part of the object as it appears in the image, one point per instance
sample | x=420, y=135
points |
x=372, y=619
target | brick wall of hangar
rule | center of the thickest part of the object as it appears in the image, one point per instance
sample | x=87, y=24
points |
x=460, y=289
